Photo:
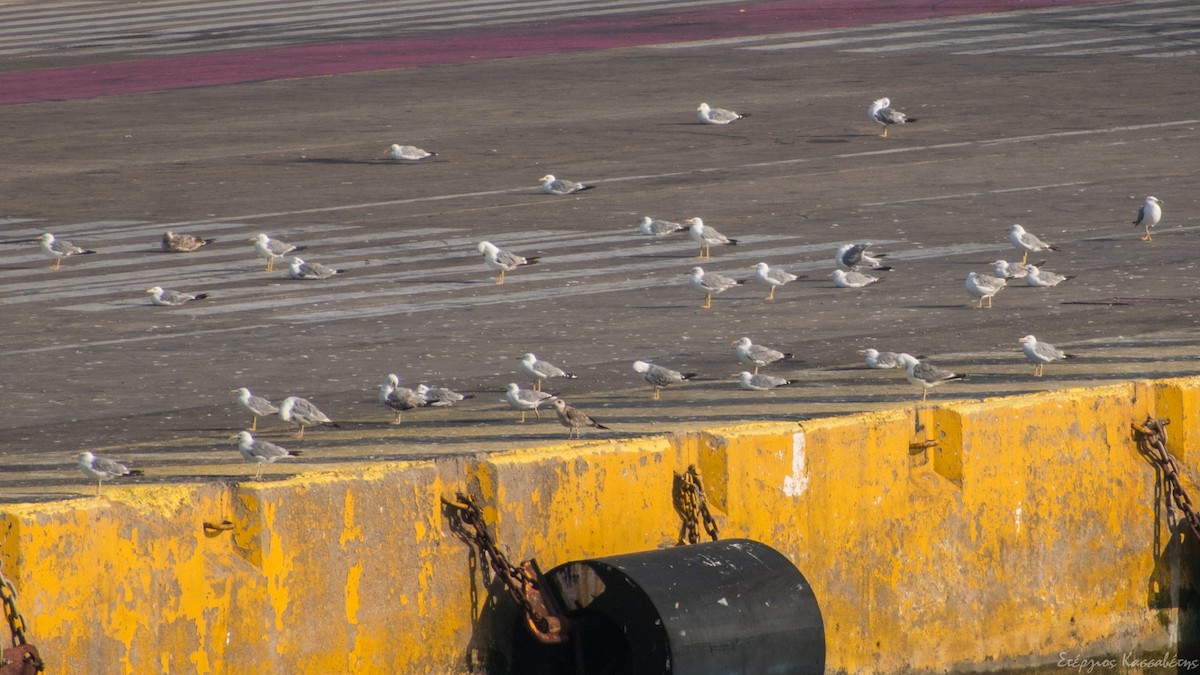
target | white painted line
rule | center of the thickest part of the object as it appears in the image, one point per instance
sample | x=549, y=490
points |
x=959, y=41
x=832, y=42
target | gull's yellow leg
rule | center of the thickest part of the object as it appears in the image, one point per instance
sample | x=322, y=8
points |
x=656, y=394
x=301, y=434
x=254, y=423
x=771, y=295
x=707, y=301
x=57, y=264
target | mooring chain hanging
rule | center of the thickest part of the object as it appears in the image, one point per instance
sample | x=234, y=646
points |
x=693, y=507
x=525, y=583
x=1152, y=440
x=26, y=656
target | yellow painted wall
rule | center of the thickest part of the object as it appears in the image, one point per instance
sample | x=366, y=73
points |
x=1026, y=526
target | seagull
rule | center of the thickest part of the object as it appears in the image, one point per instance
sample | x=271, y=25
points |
x=540, y=370
x=711, y=283
x=59, y=249
x=882, y=360
x=261, y=452
x=659, y=376
x=573, y=418
x=706, y=236
x=758, y=355
x=271, y=249
x=525, y=399
x=408, y=152
x=499, y=259
x=984, y=286
x=400, y=399
x=1040, y=279
x=653, y=227
x=561, y=186
x=881, y=112
x=772, y=278
x=1041, y=353
x=709, y=115
x=303, y=413
x=183, y=243
x=1149, y=215
x=855, y=257
x=162, y=297
x=440, y=397
x=925, y=375
x=257, y=406
x=764, y=382
x=1027, y=242
x=306, y=270
x=852, y=279
x=1010, y=270
x=101, y=469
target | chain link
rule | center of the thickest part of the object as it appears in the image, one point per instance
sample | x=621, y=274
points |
x=1152, y=442
x=16, y=620
x=693, y=507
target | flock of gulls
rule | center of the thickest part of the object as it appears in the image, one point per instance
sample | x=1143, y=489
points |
x=856, y=268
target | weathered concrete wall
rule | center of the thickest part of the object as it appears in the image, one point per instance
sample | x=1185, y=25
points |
x=1030, y=526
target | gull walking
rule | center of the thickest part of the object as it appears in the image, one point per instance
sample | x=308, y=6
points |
x=525, y=399
x=660, y=377
x=59, y=249
x=1149, y=215
x=273, y=249
x=708, y=115
x=257, y=406
x=440, y=397
x=882, y=112
x=711, y=283
x=306, y=270
x=706, y=236
x=410, y=153
x=540, y=370
x=1041, y=353
x=573, y=418
x=758, y=355
x=561, y=186
x=773, y=278
x=500, y=259
x=303, y=413
x=164, y=298
x=261, y=452
x=764, y=382
x=852, y=279
x=1041, y=279
x=856, y=257
x=1027, y=243
x=882, y=360
x=984, y=287
x=183, y=243
x=925, y=375
x=101, y=469
x=653, y=227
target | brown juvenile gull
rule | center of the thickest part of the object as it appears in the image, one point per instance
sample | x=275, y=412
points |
x=711, y=283
x=706, y=236
x=59, y=249
x=561, y=186
x=165, y=298
x=925, y=375
x=758, y=355
x=573, y=418
x=882, y=112
x=183, y=243
x=101, y=469
x=273, y=249
x=500, y=259
x=660, y=377
x=1041, y=353
x=525, y=399
x=709, y=115
x=984, y=287
x=257, y=406
x=261, y=452
x=303, y=413
x=540, y=370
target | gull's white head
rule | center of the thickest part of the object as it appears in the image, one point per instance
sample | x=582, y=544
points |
x=696, y=223
x=1156, y=200
x=1016, y=229
x=1032, y=270
x=641, y=366
x=743, y=343
x=85, y=458
x=156, y=291
x=869, y=353
x=548, y=178
x=744, y=378
x=908, y=360
x=486, y=247
x=262, y=238
x=1028, y=339
x=241, y=392
x=296, y=263
x=393, y=379
x=881, y=103
x=697, y=273
x=528, y=359
x=703, y=107
x=244, y=438
x=513, y=388
x=762, y=267
x=838, y=274
x=46, y=238
x=285, y=409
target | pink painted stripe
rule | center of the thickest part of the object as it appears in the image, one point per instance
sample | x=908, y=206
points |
x=460, y=46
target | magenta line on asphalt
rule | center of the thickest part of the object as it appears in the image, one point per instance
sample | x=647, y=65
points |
x=479, y=44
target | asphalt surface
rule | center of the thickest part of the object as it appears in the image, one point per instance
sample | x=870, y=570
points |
x=1066, y=145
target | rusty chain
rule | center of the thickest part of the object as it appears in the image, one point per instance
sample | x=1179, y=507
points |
x=16, y=620
x=22, y=658
x=544, y=616
x=1152, y=441
x=693, y=507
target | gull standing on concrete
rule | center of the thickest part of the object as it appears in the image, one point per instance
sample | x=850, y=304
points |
x=852, y=279
x=856, y=257
x=410, y=153
x=303, y=413
x=984, y=286
x=561, y=186
x=261, y=452
x=306, y=270
x=573, y=418
x=500, y=259
x=660, y=377
x=525, y=399
x=1041, y=353
x=165, y=298
x=772, y=277
x=273, y=249
x=440, y=397
x=1041, y=279
x=706, y=236
x=881, y=112
x=101, y=469
x=708, y=115
x=764, y=382
x=400, y=399
x=758, y=355
x=540, y=370
x=882, y=360
x=1149, y=215
x=1027, y=243
x=925, y=375
x=257, y=406
x=653, y=227
x=59, y=249
x=183, y=243
x=711, y=283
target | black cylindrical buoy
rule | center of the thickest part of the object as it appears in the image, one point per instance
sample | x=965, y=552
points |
x=733, y=607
